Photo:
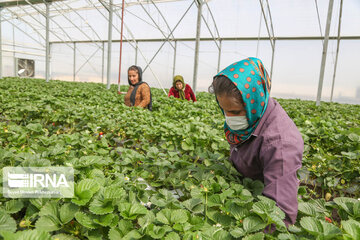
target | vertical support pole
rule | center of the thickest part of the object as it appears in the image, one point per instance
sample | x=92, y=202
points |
x=272, y=59
x=1, y=67
x=102, y=63
x=136, y=53
x=50, y=60
x=15, y=63
x=197, y=43
x=219, y=57
x=174, y=63
x=47, y=60
x=109, y=44
x=74, y=63
x=337, y=52
x=121, y=40
x=323, y=60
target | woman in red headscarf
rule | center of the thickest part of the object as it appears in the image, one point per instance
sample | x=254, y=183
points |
x=181, y=90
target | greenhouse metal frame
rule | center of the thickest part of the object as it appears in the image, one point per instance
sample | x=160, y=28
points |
x=31, y=7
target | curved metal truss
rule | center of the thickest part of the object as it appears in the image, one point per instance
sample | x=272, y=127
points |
x=37, y=15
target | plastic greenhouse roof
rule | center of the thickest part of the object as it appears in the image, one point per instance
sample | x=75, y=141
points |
x=245, y=28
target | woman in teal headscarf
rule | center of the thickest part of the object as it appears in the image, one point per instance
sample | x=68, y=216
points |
x=253, y=84
x=264, y=142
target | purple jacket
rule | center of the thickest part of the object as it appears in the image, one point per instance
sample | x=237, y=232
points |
x=273, y=154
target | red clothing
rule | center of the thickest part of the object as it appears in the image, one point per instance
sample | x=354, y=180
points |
x=189, y=94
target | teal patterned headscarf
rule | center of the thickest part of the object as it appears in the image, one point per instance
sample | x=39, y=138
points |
x=253, y=82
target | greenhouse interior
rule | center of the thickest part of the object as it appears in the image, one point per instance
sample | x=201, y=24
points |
x=179, y=119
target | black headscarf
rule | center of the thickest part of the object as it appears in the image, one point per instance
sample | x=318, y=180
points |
x=139, y=71
x=136, y=86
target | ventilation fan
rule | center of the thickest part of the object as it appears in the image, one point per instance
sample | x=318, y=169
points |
x=25, y=67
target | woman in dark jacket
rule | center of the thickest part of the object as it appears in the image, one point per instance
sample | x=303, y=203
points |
x=139, y=94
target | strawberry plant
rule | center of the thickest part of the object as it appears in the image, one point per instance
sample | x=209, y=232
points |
x=165, y=174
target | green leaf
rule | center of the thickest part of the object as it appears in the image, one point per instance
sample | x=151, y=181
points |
x=48, y=223
x=280, y=225
x=156, y=232
x=352, y=228
x=133, y=234
x=217, y=217
x=104, y=220
x=237, y=232
x=49, y=217
x=67, y=212
x=222, y=235
x=95, y=234
x=14, y=205
x=84, y=190
x=114, y=221
x=186, y=146
x=215, y=200
x=256, y=236
x=319, y=228
x=262, y=209
x=194, y=205
x=164, y=216
x=30, y=235
x=172, y=236
x=113, y=192
x=87, y=161
x=96, y=174
x=354, y=137
x=286, y=236
x=100, y=205
x=81, y=198
x=38, y=202
x=115, y=234
x=266, y=207
x=50, y=209
x=168, y=216
x=57, y=150
x=179, y=216
x=319, y=205
x=350, y=205
x=63, y=236
x=131, y=211
x=237, y=211
x=85, y=220
x=87, y=184
x=8, y=235
x=253, y=224
x=35, y=127
x=125, y=226
x=146, y=220
x=294, y=229
x=307, y=209
x=31, y=212
x=7, y=223
x=158, y=201
x=138, y=209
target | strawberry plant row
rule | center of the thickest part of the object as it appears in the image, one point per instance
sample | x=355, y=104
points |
x=163, y=174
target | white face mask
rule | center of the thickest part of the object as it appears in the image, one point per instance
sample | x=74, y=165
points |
x=237, y=122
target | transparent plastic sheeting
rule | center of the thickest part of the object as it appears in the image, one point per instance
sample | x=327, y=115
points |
x=296, y=66
x=295, y=72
